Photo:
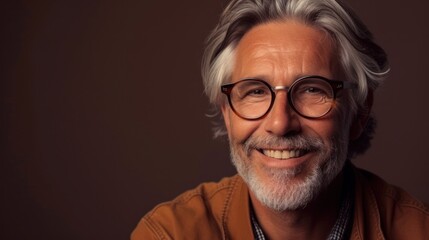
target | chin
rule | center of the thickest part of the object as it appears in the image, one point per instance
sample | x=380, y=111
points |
x=282, y=189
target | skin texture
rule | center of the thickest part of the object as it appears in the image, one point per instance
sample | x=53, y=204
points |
x=279, y=53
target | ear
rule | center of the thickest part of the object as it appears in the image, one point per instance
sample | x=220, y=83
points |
x=361, y=118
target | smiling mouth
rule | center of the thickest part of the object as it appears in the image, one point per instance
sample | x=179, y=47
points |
x=283, y=154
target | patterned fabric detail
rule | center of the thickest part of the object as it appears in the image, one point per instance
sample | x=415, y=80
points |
x=342, y=226
x=257, y=231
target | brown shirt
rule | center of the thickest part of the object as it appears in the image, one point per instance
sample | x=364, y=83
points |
x=221, y=211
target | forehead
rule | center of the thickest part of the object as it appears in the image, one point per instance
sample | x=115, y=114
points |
x=285, y=49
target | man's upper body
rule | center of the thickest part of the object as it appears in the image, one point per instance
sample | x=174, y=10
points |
x=222, y=211
x=293, y=81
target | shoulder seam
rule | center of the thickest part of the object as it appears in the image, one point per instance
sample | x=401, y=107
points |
x=152, y=226
x=404, y=199
x=231, y=186
x=196, y=193
x=411, y=203
x=191, y=194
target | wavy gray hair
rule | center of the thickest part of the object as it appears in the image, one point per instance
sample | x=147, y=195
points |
x=361, y=59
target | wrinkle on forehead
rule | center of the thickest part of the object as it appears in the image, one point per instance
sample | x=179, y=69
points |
x=286, y=49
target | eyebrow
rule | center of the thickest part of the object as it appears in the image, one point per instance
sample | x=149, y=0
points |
x=268, y=80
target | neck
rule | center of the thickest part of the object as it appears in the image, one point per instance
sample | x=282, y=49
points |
x=314, y=221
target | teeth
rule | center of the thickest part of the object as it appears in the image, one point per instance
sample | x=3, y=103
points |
x=286, y=154
x=283, y=154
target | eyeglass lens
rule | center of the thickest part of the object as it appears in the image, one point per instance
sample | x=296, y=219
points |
x=311, y=97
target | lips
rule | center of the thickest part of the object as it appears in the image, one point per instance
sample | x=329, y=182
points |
x=283, y=154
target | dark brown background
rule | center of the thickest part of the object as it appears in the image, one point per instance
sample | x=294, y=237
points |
x=103, y=112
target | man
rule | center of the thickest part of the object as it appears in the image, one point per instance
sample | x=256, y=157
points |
x=294, y=82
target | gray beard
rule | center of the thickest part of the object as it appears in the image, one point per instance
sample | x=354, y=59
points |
x=281, y=191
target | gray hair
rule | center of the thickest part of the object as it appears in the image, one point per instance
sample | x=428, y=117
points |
x=361, y=59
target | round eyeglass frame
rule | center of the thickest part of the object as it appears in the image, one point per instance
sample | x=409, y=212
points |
x=335, y=86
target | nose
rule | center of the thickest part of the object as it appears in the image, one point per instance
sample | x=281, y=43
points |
x=282, y=119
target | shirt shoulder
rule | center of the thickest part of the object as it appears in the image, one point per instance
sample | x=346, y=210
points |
x=396, y=196
x=401, y=216
x=196, y=213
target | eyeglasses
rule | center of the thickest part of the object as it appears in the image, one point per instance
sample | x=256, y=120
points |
x=309, y=96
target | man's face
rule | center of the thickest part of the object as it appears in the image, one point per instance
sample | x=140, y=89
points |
x=287, y=159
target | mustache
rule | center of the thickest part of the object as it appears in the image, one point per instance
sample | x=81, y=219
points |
x=288, y=142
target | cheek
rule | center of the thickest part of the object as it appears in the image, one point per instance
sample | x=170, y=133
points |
x=239, y=130
x=325, y=129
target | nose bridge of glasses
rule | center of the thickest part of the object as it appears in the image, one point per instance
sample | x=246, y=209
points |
x=277, y=88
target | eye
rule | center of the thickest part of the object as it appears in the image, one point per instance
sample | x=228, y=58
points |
x=251, y=90
x=314, y=90
x=256, y=92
